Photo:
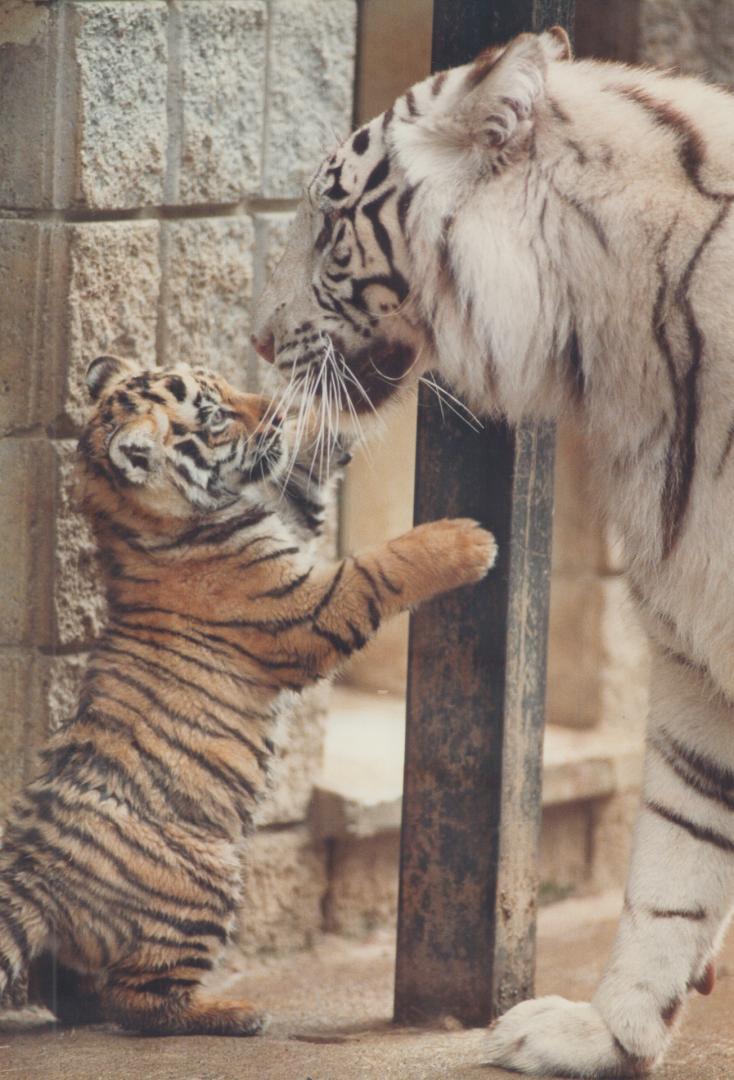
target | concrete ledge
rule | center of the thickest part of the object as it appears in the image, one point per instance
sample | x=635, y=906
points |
x=359, y=791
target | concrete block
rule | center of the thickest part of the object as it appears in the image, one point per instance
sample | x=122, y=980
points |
x=578, y=537
x=298, y=759
x=358, y=792
x=120, y=56
x=64, y=681
x=272, y=236
x=598, y=658
x=112, y=300
x=221, y=106
x=565, y=837
x=27, y=504
x=612, y=824
x=310, y=88
x=377, y=504
x=205, y=307
x=23, y=691
x=696, y=37
x=79, y=603
x=285, y=881
x=27, y=35
x=28, y=379
x=363, y=885
x=575, y=651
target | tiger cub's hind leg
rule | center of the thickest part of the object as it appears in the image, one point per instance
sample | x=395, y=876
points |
x=179, y=1012
x=172, y=1002
x=72, y=998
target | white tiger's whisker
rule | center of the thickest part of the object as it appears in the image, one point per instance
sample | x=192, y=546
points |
x=444, y=397
x=361, y=439
x=394, y=379
x=305, y=408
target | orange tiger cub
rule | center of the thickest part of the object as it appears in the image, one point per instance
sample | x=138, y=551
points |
x=122, y=856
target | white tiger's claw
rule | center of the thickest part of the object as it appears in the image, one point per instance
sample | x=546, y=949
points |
x=551, y=1036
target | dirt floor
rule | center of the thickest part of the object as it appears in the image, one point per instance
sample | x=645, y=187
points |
x=330, y=1012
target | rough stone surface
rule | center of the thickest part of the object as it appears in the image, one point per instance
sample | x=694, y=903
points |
x=113, y=287
x=598, y=662
x=120, y=57
x=285, y=881
x=205, y=310
x=363, y=871
x=610, y=838
x=22, y=690
x=64, y=680
x=221, y=104
x=578, y=538
x=78, y=599
x=273, y=232
x=378, y=504
x=574, y=652
x=696, y=37
x=310, y=88
x=299, y=753
x=26, y=72
x=27, y=376
x=27, y=504
x=363, y=885
x=564, y=849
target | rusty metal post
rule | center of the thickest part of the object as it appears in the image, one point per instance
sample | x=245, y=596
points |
x=476, y=685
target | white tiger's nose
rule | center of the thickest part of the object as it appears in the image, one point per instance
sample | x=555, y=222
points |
x=264, y=346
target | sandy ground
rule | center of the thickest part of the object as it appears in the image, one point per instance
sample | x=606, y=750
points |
x=331, y=1009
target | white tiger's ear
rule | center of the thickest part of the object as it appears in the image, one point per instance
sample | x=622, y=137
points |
x=136, y=449
x=105, y=371
x=502, y=89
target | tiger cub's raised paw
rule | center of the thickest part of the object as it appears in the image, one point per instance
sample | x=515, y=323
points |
x=463, y=551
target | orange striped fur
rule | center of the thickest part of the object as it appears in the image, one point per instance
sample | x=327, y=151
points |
x=122, y=857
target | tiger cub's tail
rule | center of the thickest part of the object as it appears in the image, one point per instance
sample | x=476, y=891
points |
x=23, y=931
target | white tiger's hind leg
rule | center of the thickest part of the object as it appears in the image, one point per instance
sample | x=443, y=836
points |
x=678, y=902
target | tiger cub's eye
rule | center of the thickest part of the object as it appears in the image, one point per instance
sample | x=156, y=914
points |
x=216, y=418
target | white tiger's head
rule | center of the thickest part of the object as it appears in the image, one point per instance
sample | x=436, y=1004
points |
x=342, y=317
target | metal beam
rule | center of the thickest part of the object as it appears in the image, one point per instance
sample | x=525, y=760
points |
x=476, y=684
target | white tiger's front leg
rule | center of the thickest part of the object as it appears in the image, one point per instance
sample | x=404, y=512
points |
x=678, y=902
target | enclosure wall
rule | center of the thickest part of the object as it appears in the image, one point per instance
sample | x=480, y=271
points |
x=151, y=152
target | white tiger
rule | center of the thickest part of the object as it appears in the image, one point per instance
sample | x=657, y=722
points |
x=557, y=237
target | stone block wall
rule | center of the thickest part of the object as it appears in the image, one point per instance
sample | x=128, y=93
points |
x=151, y=153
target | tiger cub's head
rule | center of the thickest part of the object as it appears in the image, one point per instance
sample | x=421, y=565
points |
x=177, y=442
x=357, y=306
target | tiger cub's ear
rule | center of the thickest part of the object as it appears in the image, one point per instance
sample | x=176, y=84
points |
x=105, y=371
x=136, y=449
x=502, y=89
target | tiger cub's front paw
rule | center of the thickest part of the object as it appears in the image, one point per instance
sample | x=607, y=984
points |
x=463, y=552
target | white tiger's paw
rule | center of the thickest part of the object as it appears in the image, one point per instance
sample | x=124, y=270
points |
x=553, y=1036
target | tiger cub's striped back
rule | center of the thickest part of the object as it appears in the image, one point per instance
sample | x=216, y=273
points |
x=123, y=852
